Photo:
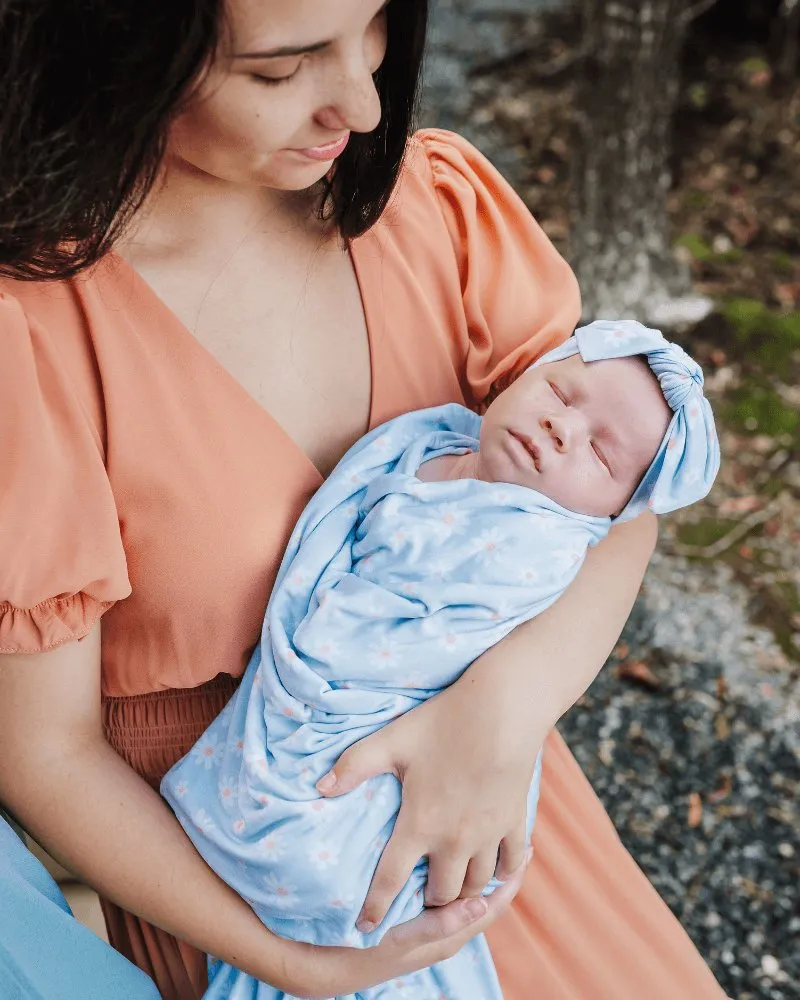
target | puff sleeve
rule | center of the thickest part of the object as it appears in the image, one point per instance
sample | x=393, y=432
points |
x=520, y=296
x=62, y=563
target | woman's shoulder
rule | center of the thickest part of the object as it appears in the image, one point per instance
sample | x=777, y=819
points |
x=61, y=557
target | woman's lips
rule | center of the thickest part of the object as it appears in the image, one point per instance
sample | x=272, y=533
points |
x=327, y=152
x=530, y=448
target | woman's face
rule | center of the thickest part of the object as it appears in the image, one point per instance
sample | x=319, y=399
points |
x=292, y=80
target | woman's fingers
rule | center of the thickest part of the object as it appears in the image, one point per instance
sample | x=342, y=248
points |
x=445, y=878
x=397, y=862
x=514, y=849
x=479, y=872
x=365, y=759
x=440, y=926
x=438, y=933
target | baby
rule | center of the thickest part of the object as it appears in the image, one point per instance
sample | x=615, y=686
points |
x=435, y=536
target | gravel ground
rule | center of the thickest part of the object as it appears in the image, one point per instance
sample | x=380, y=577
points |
x=690, y=736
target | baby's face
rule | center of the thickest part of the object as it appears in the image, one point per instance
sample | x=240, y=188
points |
x=582, y=434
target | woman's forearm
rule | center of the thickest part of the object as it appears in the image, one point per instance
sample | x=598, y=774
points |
x=103, y=822
x=545, y=665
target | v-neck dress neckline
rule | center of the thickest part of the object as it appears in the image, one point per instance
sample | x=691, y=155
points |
x=182, y=331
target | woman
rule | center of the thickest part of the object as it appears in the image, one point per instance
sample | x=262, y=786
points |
x=170, y=404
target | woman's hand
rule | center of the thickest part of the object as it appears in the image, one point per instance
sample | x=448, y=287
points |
x=466, y=773
x=434, y=936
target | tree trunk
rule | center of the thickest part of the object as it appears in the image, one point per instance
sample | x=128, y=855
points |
x=626, y=98
x=787, y=28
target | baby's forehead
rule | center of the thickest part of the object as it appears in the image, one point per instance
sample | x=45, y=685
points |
x=625, y=391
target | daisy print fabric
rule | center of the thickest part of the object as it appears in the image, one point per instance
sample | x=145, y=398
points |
x=389, y=588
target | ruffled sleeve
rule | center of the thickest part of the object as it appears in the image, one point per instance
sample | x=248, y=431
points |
x=520, y=296
x=62, y=562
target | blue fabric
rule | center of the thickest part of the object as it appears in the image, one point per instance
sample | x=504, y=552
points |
x=45, y=954
x=688, y=460
x=388, y=590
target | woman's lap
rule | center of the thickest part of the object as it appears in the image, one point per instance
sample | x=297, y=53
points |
x=587, y=924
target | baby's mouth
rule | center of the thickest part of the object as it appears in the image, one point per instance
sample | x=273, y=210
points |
x=530, y=447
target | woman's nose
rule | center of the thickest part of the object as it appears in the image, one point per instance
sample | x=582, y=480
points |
x=356, y=104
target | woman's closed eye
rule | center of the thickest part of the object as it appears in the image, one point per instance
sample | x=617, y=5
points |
x=284, y=71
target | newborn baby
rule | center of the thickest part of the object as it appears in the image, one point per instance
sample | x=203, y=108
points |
x=581, y=434
x=434, y=537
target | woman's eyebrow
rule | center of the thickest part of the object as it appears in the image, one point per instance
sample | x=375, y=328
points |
x=286, y=50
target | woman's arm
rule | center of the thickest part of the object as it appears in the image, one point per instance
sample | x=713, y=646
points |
x=82, y=802
x=466, y=757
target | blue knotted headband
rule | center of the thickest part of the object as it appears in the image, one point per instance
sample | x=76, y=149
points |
x=688, y=458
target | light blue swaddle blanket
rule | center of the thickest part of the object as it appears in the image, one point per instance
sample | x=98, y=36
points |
x=389, y=588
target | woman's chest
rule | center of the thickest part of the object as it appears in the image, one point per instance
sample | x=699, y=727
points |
x=216, y=441
x=290, y=330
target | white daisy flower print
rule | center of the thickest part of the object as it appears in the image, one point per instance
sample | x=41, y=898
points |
x=616, y=336
x=271, y=847
x=297, y=580
x=322, y=857
x=257, y=765
x=450, y=642
x=208, y=751
x=324, y=647
x=203, y=823
x=489, y=544
x=227, y=790
x=283, y=892
x=342, y=902
x=529, y=576
x=440, y=569
x=181, y=789
x=452, y=520
x=383, y=655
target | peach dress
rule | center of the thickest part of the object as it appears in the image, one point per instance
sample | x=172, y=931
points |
x=142, y=483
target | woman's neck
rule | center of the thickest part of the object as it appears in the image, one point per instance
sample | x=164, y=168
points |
x=189, y=212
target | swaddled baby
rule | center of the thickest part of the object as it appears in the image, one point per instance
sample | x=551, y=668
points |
x=434, y=537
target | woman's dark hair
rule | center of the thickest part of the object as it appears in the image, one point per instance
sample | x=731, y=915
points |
x=88, y=90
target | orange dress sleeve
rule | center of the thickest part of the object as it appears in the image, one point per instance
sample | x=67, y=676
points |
x=520, y=296
x=62, y=562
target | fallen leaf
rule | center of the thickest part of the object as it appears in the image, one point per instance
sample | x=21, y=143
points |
x=640, y=672
x=723, y=791
x=546, y=175
x=740, y=505
x=788, y=295
x=746, y=552
x=722, y=688
x=722, y=727
x=695, y=810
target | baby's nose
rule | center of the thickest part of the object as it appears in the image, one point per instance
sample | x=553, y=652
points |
x=559, y=432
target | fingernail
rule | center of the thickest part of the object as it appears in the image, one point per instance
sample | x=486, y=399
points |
x=327, y=782
x=475, y=908
x=365, y=926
